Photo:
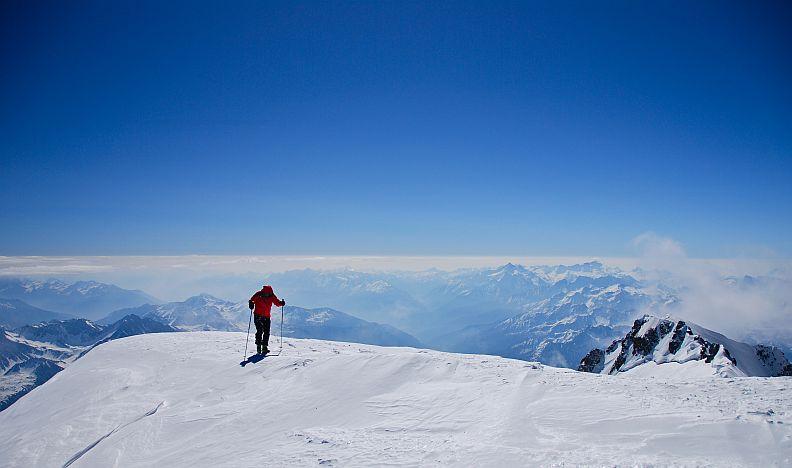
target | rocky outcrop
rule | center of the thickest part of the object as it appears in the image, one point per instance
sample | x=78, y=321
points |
x=593, y=362
x=661, y=341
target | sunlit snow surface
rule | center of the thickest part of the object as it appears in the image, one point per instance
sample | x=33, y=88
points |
x=181, y=399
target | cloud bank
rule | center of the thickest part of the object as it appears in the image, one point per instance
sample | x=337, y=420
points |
x=739, y=299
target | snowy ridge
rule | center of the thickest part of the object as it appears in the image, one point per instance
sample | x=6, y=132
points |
x=692, y=349
x=33, y=354
x=181, y=399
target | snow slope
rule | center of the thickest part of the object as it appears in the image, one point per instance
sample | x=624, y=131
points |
x=34, y=353
x=181, y=399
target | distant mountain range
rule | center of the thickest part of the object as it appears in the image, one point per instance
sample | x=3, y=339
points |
x=330, y=324
x=656, y=346
x=205, y=313
x=202, y=312
x=16, y=313
x=85, y=299
x=559, y=330
x=553, y=314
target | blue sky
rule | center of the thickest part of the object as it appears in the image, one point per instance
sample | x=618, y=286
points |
x=395, y=128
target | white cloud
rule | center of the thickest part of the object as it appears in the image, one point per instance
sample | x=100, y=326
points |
x=734, y=307
x=651, y=245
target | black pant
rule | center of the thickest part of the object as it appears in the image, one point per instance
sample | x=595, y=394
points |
x=262, y=330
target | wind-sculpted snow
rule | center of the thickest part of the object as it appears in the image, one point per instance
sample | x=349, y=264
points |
x=182, y=400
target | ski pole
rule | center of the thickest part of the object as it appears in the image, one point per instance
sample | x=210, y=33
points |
x=281, y=333
x=244, y=356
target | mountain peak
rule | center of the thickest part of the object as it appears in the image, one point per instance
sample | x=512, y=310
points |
x=685, y=347
x=203, y=298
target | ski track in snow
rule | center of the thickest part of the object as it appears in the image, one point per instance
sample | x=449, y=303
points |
x=344, y=404
x=86, y=449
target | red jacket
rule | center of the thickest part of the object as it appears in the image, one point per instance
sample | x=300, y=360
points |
x=263, y=301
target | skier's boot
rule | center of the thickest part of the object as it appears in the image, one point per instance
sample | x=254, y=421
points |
x=258, y=348
x=265, y=350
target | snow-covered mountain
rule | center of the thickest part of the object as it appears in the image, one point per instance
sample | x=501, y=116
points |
x=432, y=304
x=330, y=324
x=560, y=329
x=370, y=296
x=173, y=400
x=34, y=353
x=24, y=365
x=662, y=346
x=15, y=313
x=132, y=325
x=82, y=332
x=14, y=350
x=23, y=377
x=87, y=299
x=207, y=313
x=202, y=312
x=72, y=332
x=553, y=314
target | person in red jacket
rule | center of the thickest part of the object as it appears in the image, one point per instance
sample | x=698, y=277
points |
x=261, y=304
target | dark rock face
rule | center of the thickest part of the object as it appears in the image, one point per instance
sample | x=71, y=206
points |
x=620, y=360
x=774, y=358
x=635, y=345
x=593, y=362
x=644, y=345
x=708, y=350
x=680, y=331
